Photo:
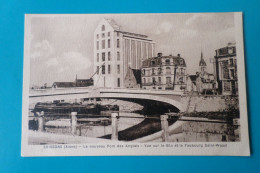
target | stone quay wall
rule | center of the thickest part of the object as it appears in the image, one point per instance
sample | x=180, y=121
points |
x=209, y=103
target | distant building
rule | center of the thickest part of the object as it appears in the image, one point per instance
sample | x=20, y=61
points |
x=115, y=50
x=164, y=73
x=76, y=83
x=83, y=82
x=225, y=70
x=133, y=78
x=63, y=84
x=203, y=82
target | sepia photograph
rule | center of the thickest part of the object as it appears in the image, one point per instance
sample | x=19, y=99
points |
x=134, y=84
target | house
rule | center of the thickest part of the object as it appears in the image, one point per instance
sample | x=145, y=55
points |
x=226, y=70
x=164, y=73
x=206, y=83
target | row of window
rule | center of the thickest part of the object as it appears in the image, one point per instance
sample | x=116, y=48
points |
x=103, y=56
x=168, y=80
x=103, y=35
x=103, y=44
x=160, y=71
x=103, y=69
x=159, y=88
x=168, y=62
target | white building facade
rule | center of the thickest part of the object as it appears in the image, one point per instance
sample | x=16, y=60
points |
x=116, y=50
x=164, y=73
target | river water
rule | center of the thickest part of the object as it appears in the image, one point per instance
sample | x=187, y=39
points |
x=124, y=122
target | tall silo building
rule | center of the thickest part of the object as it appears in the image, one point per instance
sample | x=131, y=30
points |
x=115, y=50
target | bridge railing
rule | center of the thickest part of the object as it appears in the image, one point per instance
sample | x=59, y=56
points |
x=164, y=119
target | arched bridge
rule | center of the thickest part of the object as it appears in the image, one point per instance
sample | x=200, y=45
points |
x=140, y=96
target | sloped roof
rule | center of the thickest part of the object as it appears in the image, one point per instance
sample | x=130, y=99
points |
x=118, y=28
x=64, y=84
x=137, y=74
x=114, y=25
x=193, y=77
x=84, y=80
x=177, y=60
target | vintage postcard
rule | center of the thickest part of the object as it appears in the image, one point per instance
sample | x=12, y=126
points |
x=134, y=84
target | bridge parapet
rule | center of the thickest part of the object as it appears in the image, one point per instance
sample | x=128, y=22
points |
x=170, y=97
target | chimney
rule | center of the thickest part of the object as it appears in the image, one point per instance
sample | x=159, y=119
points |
x=178, y=55
x=159, y=54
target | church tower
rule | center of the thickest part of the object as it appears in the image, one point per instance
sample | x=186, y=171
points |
x=202, y=64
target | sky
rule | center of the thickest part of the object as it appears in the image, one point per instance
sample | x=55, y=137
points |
x=61, y=46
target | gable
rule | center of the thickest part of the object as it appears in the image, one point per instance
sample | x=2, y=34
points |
x=109, y=24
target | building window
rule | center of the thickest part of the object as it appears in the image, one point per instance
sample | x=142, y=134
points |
x=167, y=62
x=181, y=80
x=97, y=69
x=168, y=70
x=118, y=56
x=225, y=69
x=117, y=34
x=97, y=57
x=181, y=61
x=231, y=62
x=181, y=71
x=118, y=82
x=108, y=34
x=103, y=27
x=168, y=80
x=159, y=80
x=227, y=86
x=117, y=43
x=103, y=44
x=154, y=81
x=103, y=69
x=103, y=35
x=118, y=69
x=232, y=73
x=97, y=36
x=147, y=72
x=103, y=56
x=153, y=71
x=109, y=69
x=153, y=62
x=108, y=43
x=109, y=56
x=143, y=72
x=97, y=45
x=144, y=80
x=159, y=70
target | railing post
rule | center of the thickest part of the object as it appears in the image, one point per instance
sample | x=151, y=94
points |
x=165, y=127
x=74, y=123
x=41, y=121
x=237, y=131
x=114, y=117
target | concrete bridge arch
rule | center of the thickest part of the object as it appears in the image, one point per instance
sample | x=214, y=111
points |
x=145, y=97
